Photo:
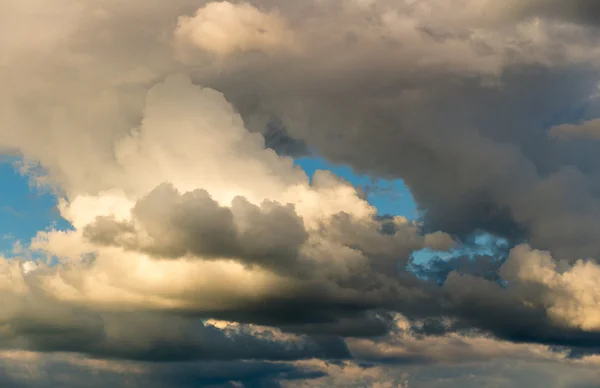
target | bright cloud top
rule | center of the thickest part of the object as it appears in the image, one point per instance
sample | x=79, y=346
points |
x=223, y=28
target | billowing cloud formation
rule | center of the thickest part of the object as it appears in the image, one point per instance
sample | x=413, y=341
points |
x=270, y=232
x=569, y=293
x=167, y=129
x=224, y=28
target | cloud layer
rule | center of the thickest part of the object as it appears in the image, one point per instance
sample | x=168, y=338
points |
x=167, y=131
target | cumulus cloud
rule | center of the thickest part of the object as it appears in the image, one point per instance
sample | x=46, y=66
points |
x=568, y=292
x=194, y=224
x=216, y=229
x=223, y=28
x=167, y=130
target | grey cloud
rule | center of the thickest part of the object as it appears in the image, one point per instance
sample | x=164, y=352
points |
x=175, y=339
x=472, y=156
x=246, y=374
x=194, y=224
x=508, y=374
x=277, y=138
x=386, y=251
x=156, y=338
x=371, y=323
x=250, y=374
x=78, y=372
x=577, y=11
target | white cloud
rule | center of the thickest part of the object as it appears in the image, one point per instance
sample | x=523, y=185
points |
x=570, y=293
x=224, y=28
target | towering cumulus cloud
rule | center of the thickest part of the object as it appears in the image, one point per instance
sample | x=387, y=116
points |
x=201, y=254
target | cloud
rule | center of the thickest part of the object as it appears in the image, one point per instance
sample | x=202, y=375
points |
x=175, y=225
x=36, y=322
x=166, y=129
x=408, y=358
x=386, y=76
x=30, y=369
x=285, y=253
x=223, y=28
x=568, y=292
x=587, y=129
x=278, y=139
x=579, y=11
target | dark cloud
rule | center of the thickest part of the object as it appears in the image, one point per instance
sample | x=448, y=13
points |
x=193, y=223
x=363, y=324
x=474, y=156
x=577, y=11
x=277, y=138
x=248, y=374
x=77, y=372
x=160, y=338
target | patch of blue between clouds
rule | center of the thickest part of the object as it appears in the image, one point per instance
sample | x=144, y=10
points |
x=481, y=254
x=389, y=197
x=480, y=243
x=24, y=209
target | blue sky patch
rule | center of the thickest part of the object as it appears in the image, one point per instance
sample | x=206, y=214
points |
x=389, y=197
x=24, y=209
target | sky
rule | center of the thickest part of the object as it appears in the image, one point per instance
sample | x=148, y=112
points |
x=325, y=193
x=25, y=208
x=390, y=197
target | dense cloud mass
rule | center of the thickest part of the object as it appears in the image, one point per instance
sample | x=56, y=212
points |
x=201, y=255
